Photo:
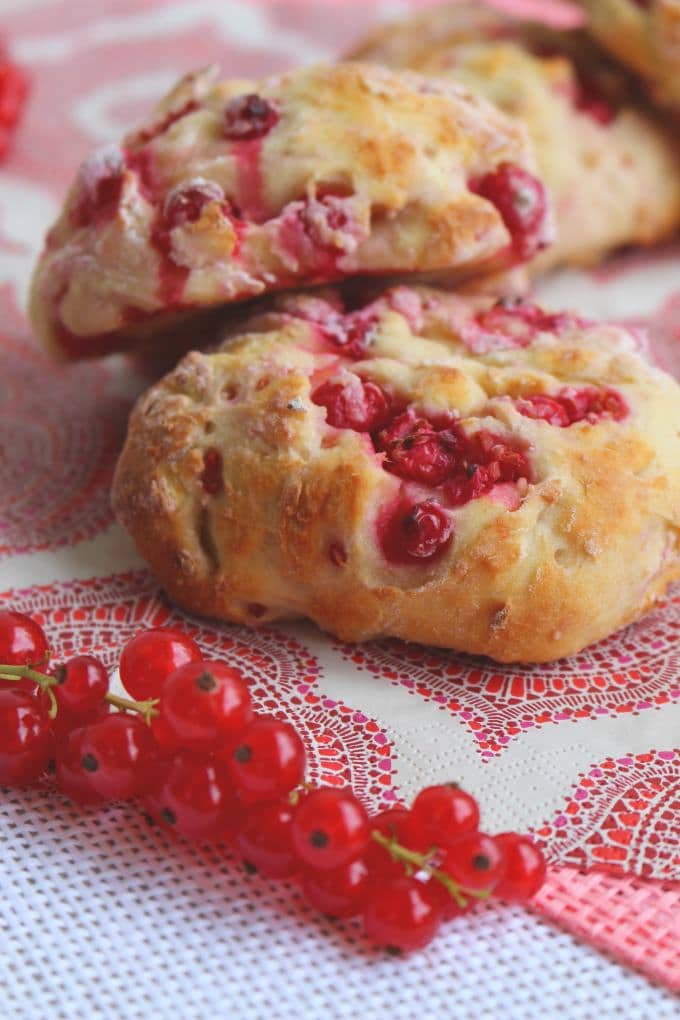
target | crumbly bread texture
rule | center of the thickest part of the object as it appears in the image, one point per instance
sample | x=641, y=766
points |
x=236, y=188
x=480, y=476
x=612, y=168
x=646, y=37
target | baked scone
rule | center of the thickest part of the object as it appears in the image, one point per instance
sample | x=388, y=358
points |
x=480, y=476
x=236, y=188
x=613, y=170
x=645, y=35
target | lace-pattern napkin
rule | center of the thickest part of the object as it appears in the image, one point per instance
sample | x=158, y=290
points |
x=584, y=753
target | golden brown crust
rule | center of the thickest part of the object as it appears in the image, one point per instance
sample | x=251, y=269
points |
x=363, y=171
x=613, y=170
x=645, y=38
x=290, y=527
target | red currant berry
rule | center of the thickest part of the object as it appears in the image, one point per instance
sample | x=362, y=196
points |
x=525, y=867
x=25, y=738
x=415, y=533
x=475, y=861
x=14, y=87
x=418, y=452
x=442, y=898
x=148, y=659
x=112, y=759
x=338, y=892
x=72, y=779
x=194, y=798
x=521, y=200
x=441, y=814
x=82, y=684
x=268, y=760
x=186, y=203
x=354, y=403
x=65, y=722
x=212, y=478
x=394, y=824
x=544, y=408
x=264, y=839
x=100, y=188
x=205, y=706
x=401, y=916
x=22, y=641
x=330, y=828
x=249, y=116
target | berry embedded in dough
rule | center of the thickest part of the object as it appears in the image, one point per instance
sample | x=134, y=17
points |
x=477, y=475
x=236, y=189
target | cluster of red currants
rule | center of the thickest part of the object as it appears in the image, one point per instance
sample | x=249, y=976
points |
x=13, y=93
x=205, y=765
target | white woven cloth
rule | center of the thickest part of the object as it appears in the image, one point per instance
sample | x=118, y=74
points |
x=100, y=916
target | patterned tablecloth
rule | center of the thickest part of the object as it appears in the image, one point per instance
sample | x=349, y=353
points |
x=103, y=917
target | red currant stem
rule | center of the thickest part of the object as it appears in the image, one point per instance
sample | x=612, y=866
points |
x=295, y=795
x=26, y=673
x=54, y=707
x=147, y=709
x=414, y=861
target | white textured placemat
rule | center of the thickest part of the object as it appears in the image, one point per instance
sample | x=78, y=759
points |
x=100, y=916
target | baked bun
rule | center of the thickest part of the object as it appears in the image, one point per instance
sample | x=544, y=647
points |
x=613, y=170
x=646, y=37
x=484, y=477
x=236, y=188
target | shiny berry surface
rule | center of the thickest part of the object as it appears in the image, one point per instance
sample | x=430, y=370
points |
x=400, y=916
x=354, y=403
x=522, y=202
x=204, y=706
x=268, y=760
x=441, y=814
x=193, y=798
x=414, y=533
x=65, y=722
x=82, y=683
x=338, y=892
x=22, y=640
x=330, y=828
x=25, y=737
x=249, y=116
x=148, y=659
x=525, y=867
x=264, y=839
x=475, y=861
x=111, y=759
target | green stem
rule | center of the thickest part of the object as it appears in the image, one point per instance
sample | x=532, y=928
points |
x=147, y=709
x=26, y=673
x=415, y=861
